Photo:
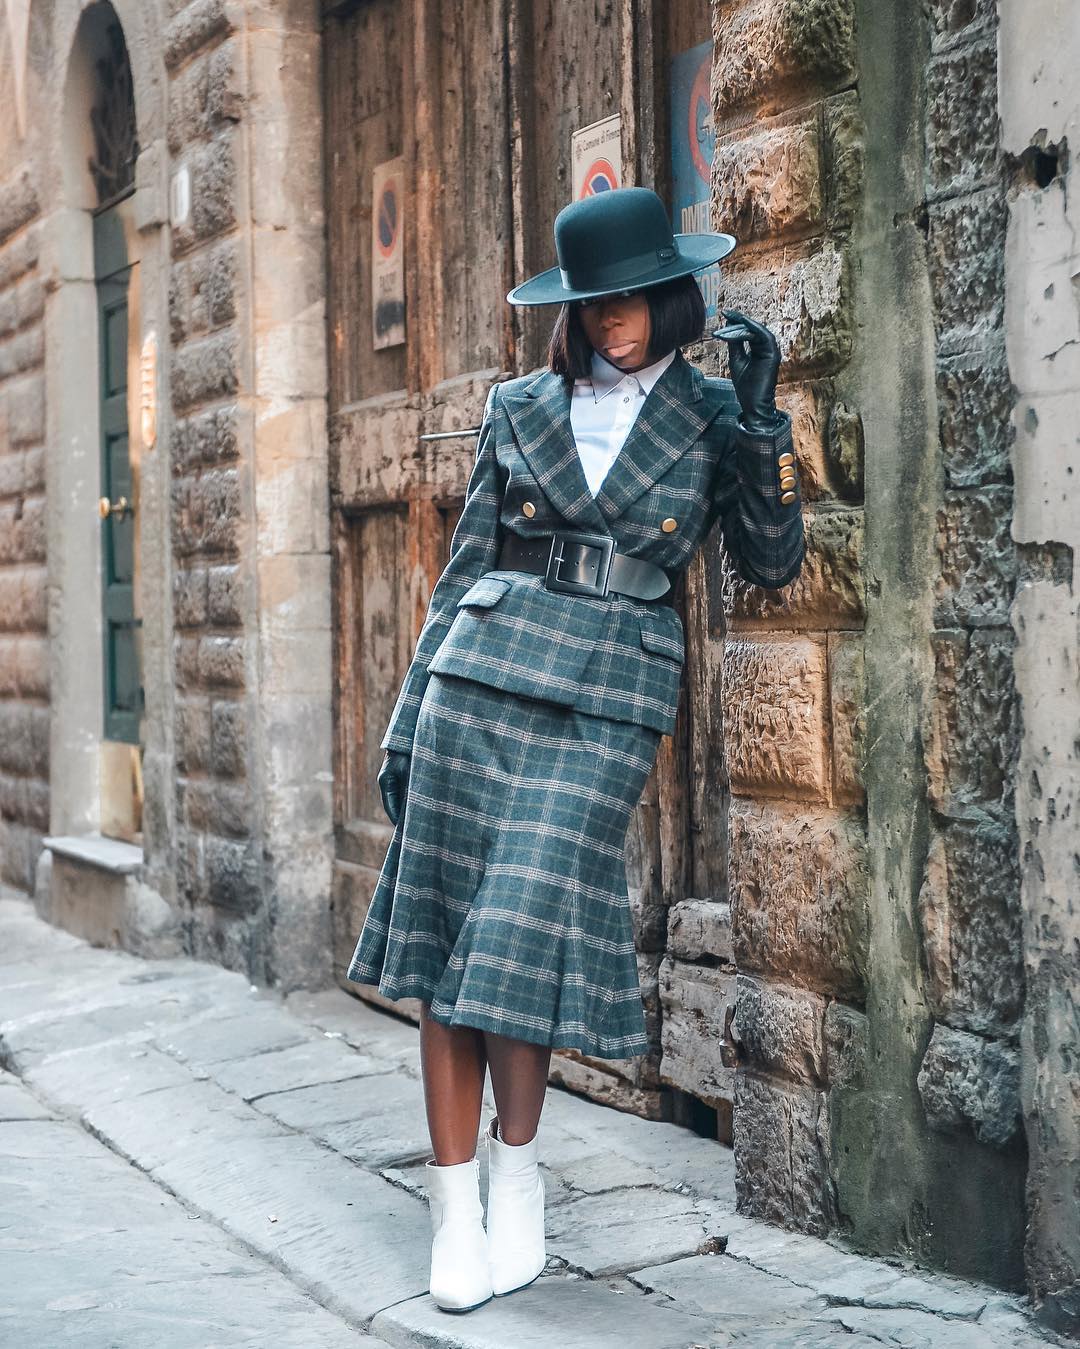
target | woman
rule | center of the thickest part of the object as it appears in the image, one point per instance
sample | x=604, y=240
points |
x=547, y=669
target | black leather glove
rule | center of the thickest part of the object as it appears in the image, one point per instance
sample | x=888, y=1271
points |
x=393, y=779
x=753, y=371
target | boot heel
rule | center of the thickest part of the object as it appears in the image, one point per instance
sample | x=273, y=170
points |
x=459, y=1279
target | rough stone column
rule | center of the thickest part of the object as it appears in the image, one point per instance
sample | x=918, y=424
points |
x=786, y=181
x=929, y=1160
x=24, y=655
x=250, y=518
x=1038, y=54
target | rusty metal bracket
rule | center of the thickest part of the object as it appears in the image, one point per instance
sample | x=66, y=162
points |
x=732, y=1052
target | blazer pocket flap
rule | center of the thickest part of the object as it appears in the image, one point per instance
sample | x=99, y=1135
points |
x=659, y=642
x=485, y=592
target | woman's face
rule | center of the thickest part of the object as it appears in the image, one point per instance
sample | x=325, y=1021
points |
x=618, y=327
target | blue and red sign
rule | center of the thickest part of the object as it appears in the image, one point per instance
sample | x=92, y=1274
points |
x=387, y=219
x=693, y=138
x=600, y=176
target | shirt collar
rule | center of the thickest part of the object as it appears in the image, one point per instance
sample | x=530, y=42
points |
x=607, y=376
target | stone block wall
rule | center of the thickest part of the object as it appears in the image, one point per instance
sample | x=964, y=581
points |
x=969, y=898
x=221, y=874
x=786, y=182
x=869, y=712
x=24, y=674
x=234, y=505
x=249, y=511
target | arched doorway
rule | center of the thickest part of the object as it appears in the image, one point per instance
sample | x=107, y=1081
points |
x=112, y=168
x=96, y=442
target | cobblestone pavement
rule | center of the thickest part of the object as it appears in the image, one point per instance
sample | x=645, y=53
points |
x=188, y=1161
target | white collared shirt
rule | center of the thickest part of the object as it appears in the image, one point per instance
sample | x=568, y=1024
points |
x=604, y=407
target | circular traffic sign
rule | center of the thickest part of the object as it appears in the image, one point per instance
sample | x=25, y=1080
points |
x=700, y=131
x=387, y=219
x=600, y=176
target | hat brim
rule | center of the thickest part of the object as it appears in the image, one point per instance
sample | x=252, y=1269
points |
x=694, y=251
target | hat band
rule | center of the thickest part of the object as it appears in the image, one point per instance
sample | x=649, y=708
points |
x=615, y=274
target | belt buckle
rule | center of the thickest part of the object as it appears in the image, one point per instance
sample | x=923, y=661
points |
x=557, y=557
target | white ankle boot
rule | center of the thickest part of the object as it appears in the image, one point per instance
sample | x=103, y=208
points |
x=515, y=1212
x=460, y=1279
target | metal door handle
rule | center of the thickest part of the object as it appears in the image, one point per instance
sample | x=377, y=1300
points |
x=449, y=435
x=121, y=507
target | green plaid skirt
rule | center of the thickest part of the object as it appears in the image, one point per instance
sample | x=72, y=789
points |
x=502, y=898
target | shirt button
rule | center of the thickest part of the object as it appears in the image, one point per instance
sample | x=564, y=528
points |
x=626, y=399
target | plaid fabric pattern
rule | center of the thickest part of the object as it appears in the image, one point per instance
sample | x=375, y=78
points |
x=686, y=457
x=533, y=717
x=502, y=899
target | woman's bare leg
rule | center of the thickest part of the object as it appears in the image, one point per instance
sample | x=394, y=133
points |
x=453, y=1060
x=519, y=1072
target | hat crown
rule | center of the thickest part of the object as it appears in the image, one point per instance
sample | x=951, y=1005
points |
x=618, y=240
x=609, y=238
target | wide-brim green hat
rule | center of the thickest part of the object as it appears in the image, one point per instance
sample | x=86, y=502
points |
x=617, y=240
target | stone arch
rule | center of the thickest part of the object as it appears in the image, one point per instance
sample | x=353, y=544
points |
x=86, y=796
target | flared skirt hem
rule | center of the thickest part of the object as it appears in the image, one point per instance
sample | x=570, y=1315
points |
x=571, y=1035
x=502, y=899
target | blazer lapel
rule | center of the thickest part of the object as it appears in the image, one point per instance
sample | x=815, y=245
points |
x=672, y=417
x=540, y=417
x=674, y=414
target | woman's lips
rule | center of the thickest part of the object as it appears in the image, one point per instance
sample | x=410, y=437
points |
x=619, y=349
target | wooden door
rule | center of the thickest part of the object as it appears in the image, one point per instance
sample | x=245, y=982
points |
x=122, y=683
x=423, y=83
x=480, y=102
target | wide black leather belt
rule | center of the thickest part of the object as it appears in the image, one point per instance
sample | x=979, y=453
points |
x=582, y=563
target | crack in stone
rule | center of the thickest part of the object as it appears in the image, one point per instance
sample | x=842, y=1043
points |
x=305, y=1086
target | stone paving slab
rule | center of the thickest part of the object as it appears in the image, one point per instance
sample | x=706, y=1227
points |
x=360, y=1025
x=375, y=1121
x=922, y=1330
x=290, y=1070
x=553, y=1311
x=733, y=1294
x=680, y=1158
x=625, y=1229
x=356, y=1240
x=297, y=1130
x=65, y=1017
x=16, y=1103
x=248, y=1032
x=846, y=1277
x=95, y=1254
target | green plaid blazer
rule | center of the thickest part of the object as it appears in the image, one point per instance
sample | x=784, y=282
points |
x=686, y=457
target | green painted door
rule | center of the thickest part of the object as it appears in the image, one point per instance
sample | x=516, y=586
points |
x=122, y=667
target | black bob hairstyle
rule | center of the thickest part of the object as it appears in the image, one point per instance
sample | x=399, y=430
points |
x=676, y=318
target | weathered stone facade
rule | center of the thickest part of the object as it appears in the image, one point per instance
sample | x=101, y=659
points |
x=249, y=523
x=231, y=515
x=870, y=718
x=793, y=676
x=1040, y=130
x=24, y=652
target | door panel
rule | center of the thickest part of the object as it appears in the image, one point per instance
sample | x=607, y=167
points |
x=363, y=70
x=123, y=691
x=480, y=100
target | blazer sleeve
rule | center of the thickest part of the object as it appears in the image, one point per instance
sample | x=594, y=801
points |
x=763, y=536
x=474, y=549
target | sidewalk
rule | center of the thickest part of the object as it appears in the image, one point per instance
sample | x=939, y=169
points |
x=187, y=1161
